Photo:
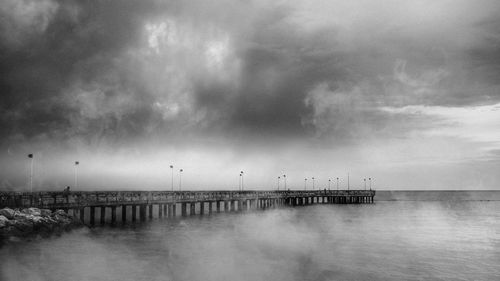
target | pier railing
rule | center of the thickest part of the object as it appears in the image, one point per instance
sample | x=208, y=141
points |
x=86, y=205
x=79, y=199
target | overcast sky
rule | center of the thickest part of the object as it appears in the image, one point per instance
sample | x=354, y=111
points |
x=405, y=92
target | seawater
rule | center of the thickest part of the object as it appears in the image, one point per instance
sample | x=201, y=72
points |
x=389, y=240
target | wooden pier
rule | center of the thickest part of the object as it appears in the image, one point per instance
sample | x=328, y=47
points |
x=143, y=205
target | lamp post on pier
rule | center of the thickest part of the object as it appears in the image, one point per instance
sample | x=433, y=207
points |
x=313, y=182
x=241, y=175
x=31, y=156
x=365, y=183
x=329, y=183
x=76, y=174
x=370, y=179
x=337, y=184
x=172, y=177
x=284, y=178
x=180, y=179
x=305, y=184
x=279, y=183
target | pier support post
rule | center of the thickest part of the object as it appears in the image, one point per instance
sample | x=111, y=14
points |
x=160, y=210
x=124, y=213
x=174, y=210
x=113, y=214
x=103, y=215
x=192, y=209
x=209, y=207
x=183, y=209
x=202, y=208
x=142, y=211
x=150, y=211
x=82, y=215
x=92, y=215
x=217, y=206
x=226, y=206
x=134, y=212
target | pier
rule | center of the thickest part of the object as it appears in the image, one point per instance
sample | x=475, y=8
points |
x=142, y=205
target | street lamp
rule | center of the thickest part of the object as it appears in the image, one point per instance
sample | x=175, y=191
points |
x=279, y=183
x=172, y=170
x=370, y=179
x=241, y=175
x=31, y=171
x=365, y=183
x=337, y=184
x=329, y=183
x=180, y=179
x=313, y=182
x=347, y=181
x=76, y=174
x=284, y=178
x=305, y=184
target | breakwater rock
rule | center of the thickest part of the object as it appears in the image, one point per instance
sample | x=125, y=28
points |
x=33, y=221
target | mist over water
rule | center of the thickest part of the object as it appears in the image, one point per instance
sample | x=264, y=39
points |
x=384, y=241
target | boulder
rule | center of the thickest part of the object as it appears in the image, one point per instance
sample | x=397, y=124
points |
x=23, y=226
x=32, y=211
x=60, y=212
x=8, y=213
x=19, y=215
x=3, y=221
x=45, y=212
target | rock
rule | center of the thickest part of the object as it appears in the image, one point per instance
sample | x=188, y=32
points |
x=8, y=213
x=19, y=215
x=23, y=226
x=45, y=213
x=32, y=211
x=60, y=212
x=34, y=221
x=3, y=221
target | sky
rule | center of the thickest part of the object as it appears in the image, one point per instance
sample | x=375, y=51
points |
x=404, y=92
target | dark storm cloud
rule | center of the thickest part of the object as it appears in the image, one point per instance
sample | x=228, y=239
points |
x=129, y=83
x=37, y=69
x=106, y=72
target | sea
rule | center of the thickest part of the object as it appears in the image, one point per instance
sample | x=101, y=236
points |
x=448, y=235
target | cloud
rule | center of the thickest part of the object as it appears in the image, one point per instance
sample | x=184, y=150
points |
x=245, y=77
x=477, y=124
x=22, y=20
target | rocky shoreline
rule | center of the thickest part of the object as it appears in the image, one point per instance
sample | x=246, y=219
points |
x=34, y=221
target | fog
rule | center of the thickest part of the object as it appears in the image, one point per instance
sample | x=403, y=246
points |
x=384, y=241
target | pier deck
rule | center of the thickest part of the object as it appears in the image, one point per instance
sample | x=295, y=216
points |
x=83, y=204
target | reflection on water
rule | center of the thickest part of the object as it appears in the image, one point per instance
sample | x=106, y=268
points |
x=384, y=241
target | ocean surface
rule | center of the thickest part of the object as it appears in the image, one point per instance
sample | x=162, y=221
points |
x=402, y=236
